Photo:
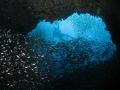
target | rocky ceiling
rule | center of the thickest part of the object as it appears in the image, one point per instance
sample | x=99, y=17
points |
x=21, y=16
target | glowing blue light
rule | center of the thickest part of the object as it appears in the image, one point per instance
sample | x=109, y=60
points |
x=90, y=32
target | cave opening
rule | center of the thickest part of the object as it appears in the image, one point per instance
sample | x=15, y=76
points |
x=66, y=45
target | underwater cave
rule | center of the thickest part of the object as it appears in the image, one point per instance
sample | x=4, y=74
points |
x=72, y=43
x=67, y=50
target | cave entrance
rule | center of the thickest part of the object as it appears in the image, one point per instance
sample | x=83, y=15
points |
x=77, y=40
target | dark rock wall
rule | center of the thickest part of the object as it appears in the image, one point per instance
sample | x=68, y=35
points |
x=15, y=15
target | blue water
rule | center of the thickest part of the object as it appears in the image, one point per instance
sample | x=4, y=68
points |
x=73, y=42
